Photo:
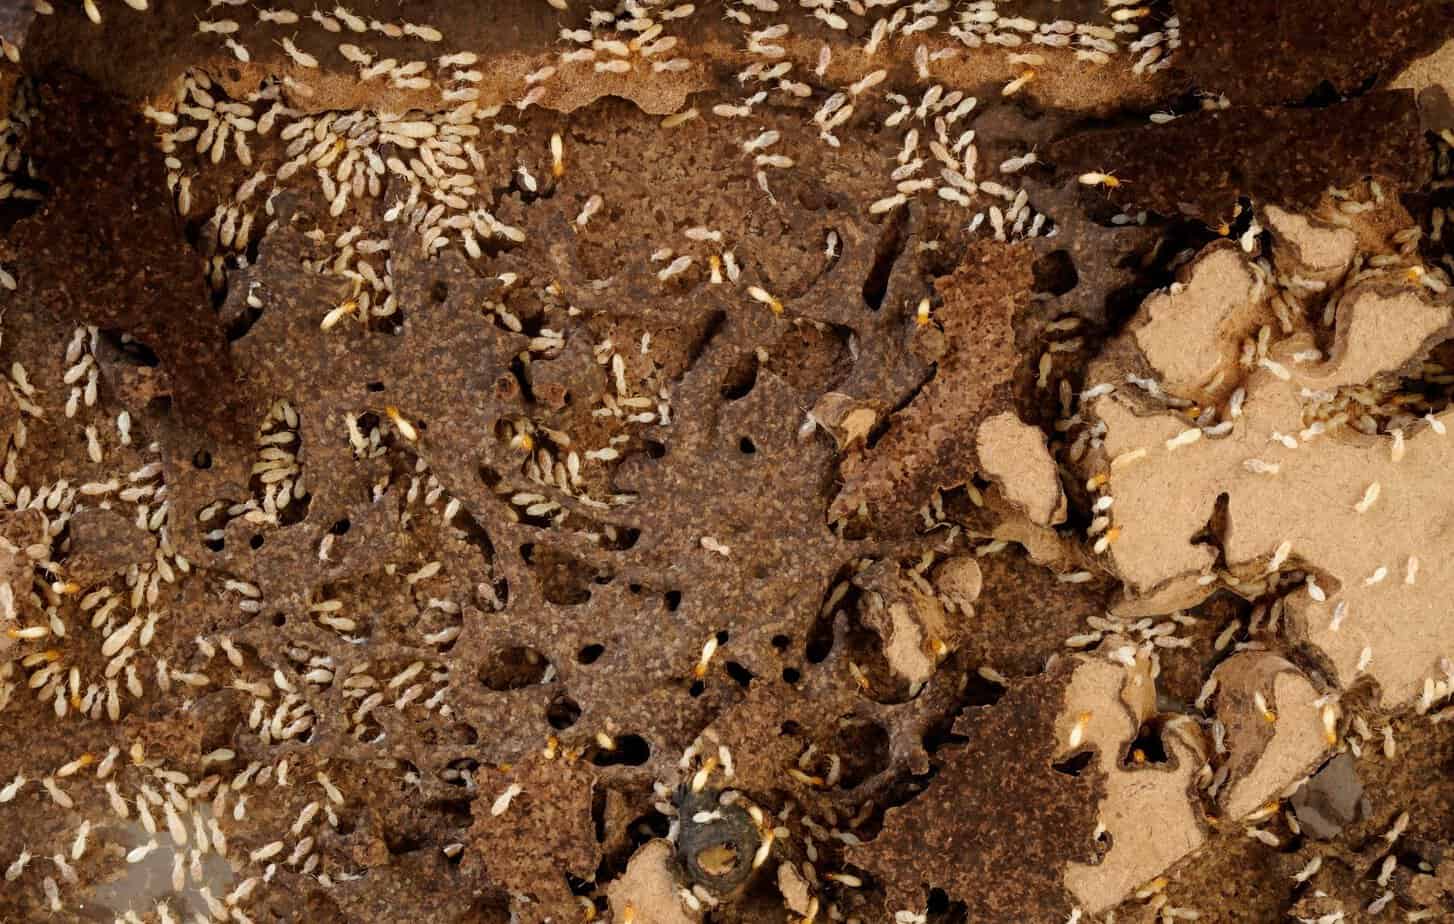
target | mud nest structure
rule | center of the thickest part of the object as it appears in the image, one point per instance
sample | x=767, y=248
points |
x=750, y=461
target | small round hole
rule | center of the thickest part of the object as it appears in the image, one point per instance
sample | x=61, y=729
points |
x=630, y=751
x=590, y=654
x=514, y=668
x=938, y=902
x=1074, y=764
x=562, y=713
x=740, y=674
x=202, y=459
x=746, y=446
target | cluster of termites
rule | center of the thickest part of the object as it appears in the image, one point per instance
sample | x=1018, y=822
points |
x=431, y=176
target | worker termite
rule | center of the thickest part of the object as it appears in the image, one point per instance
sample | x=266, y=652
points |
x=557, y=155
x=502, y=802
x=406, y=429
x=765, y=140
x=14, y=870
x=1018, y=84
x=13, y=787
x=1096, y=178
x=240, y=52
x=386, y=28
x=354, y=23
x=299, y=56
x=427, y=33
x=355, y=55
x=347, y=307
x=592, y=205
x=676, y=267
x=281, y=17
x=137, y=854
x=1077, y=731
x=868, y=82
x=887, y=204
x=766, y=298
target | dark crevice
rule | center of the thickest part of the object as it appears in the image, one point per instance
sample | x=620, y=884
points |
x=886, y=420
x=128, y=349
x=590, y=654
x=513, y=668
x=627, y=751
x=887, y=252
x=1148, y=747
x=740, y=674
x=562, y=713
x=522, y=378
x=900, y=792
x=1216, y=529
x=819, y=641
x=1325, y=94
x=865, y=750
x=1055, y=273
x=474, y=534
x=1075, y=764
x=563, y=579
x=710, y=329
x=740, y=379
x=979, y=691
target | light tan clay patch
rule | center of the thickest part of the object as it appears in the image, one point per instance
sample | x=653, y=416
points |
x=1013, y=454
x=1148, y=812
x=1192, y=334
x=649, y=889
x=1304, y=506
x=1268, y=750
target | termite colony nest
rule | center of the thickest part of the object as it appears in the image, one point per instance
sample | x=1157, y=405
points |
x=853, y=460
